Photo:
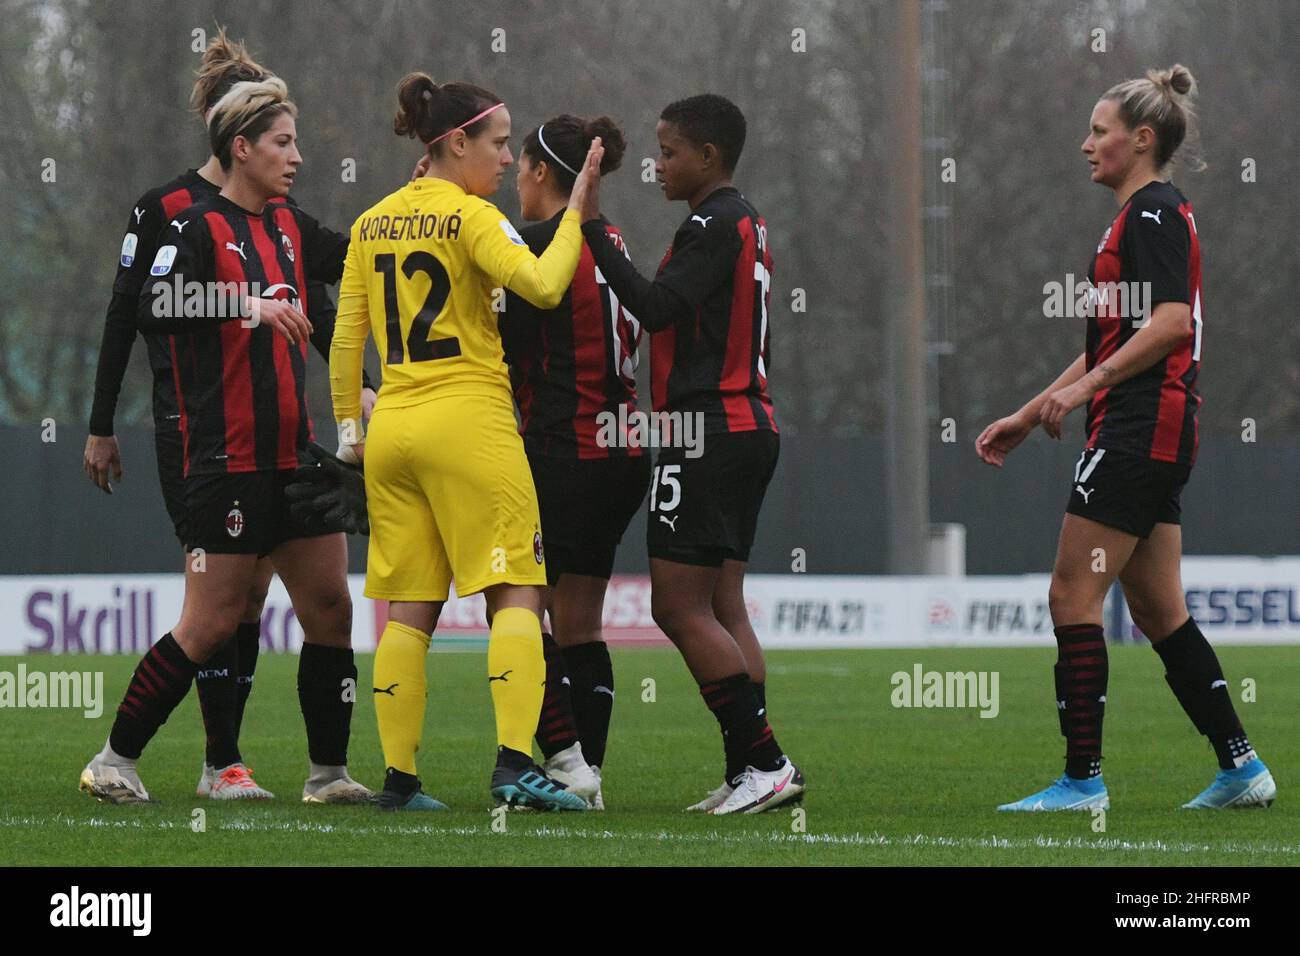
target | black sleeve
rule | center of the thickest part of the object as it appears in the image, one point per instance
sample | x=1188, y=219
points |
x=654, y=304
x=184, y=256
x=139, y=245
x=1156, y=246
x=114, y=353
x=325, y=249
x=321, y=312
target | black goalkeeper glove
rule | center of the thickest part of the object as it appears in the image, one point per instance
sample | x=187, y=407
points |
x=329, y=494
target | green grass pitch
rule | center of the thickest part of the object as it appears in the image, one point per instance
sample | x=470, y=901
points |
x=886, y=786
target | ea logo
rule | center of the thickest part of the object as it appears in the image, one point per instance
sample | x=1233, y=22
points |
x=235, y=522
x=537, y=546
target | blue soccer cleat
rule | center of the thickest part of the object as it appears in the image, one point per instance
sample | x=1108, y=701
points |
x=1067, y=793
x=1250, y=785
x=532, y=788
x=402, y=791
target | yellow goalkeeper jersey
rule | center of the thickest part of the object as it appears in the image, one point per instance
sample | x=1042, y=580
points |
x=424, y=269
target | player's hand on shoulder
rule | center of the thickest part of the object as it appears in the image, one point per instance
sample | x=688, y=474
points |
x=101, y=457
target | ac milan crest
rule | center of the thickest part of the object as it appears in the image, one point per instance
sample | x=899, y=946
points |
x=235, y=522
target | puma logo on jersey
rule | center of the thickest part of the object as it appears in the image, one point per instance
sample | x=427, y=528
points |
x=385, y=690
x=237, y=248
x=502, y=677
x=602, y=689
x=1147, y=214
x=672, y=524
x=138, y=213
x=704, y=220
x=1086, y=494
x=180, y=226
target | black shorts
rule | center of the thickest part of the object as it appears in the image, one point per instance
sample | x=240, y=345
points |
x=704, y=510
x=244, y=513
x=585, y=507
x=1127, y=491
x=169, y=449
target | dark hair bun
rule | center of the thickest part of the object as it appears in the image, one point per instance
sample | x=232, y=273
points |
x=611, y=137
x=415, y=98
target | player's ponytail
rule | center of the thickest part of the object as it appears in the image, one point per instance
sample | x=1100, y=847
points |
x=428, y=112
x=225, y=62
x=562, y=143
x=1162, y=100
x=248, y=110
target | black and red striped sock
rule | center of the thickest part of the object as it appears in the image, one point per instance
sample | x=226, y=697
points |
x=747, y=738
x=591, y=688
x=323, y=695
x=1194, y=675
x=160, y=682
x=1082, y=671
x=248, y=642
x=555, y=726
x=218, y=701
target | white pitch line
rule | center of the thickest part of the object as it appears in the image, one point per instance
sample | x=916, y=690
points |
x=1104, y=844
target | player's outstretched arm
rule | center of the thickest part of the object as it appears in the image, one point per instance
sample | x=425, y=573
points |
x=1000, y=438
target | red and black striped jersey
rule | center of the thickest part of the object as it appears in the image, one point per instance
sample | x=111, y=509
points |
x=149, y=217
x=707, y=314
x=240, y=388
x=572, y=365
x=1152, y=245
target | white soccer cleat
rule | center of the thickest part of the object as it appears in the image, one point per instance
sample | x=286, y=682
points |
x=597, y=801
x=113, y=782
x=341, y=789
x=759, y=790
x=714, y=799
x=570, y=768
x=204, y=786
x=236, y=783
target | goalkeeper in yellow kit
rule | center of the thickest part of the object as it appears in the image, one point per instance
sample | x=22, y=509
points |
x=450, y=491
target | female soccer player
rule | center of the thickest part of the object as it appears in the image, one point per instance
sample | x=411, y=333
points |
x=707, y=314
x=243, y=424
x=572, y=368
x=1137, y=375
x=226, y=680
x=450, y=494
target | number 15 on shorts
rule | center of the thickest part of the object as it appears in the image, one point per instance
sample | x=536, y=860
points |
x=665, y=476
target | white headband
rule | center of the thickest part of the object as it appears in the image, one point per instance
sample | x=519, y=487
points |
x=552, y=152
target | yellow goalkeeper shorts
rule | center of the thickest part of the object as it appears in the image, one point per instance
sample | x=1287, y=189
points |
x=450, y=497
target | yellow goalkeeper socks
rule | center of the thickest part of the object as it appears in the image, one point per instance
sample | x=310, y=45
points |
x=400, y=687
x=516, y=676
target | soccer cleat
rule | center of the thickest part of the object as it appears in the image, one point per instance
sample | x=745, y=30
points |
x=1250, y=785
x=759, y=790
x=532, y=788
x=342, y=789
x=598, y=799
x=204, y=786
x=114, y=783
x=570, y=768
x=1067, y=793
x=391, y=800
x=713, y=800
x=236, y=783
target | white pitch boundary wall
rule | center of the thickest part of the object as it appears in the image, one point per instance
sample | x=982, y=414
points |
x=1235, y=600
